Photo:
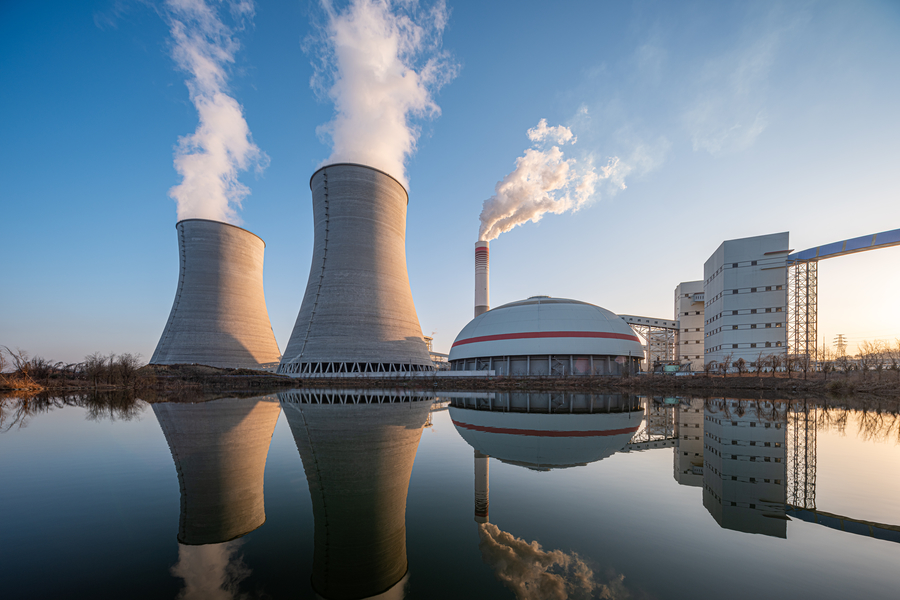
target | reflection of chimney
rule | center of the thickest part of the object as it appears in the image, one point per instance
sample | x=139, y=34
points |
x=482, y=278
x=358, y=459
x=482, y=487
x=220, y=449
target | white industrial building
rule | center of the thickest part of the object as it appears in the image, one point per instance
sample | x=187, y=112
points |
x=690, y=337
x=745, y=299
x=547, y=336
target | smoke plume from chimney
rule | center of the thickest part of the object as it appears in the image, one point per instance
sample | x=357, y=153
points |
x=380, y=62
x=543, y=181
x=210, y=159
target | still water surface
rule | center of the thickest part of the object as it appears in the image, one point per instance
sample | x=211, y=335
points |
x=338, y=495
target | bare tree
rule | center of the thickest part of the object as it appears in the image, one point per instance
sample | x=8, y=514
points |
x=741, y=366
x=726, y=362
x=776, y=360
x=760, y=363
x=709, y=367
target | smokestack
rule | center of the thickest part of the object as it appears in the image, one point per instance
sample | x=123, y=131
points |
x=357, y=313
x=482, y=278
x=219, y=316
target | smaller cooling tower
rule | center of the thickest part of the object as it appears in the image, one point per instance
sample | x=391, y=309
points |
x=357, y=315
x=219, y=316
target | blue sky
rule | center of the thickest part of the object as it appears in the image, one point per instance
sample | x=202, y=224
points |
x=735, y=119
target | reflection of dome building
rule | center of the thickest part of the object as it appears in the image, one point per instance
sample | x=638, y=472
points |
x=220, y=449
x=547, y=336
x=358, y=450
x=560, y=430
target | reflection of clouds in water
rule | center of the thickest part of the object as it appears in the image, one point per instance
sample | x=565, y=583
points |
x=211, y=571
x=533, y=573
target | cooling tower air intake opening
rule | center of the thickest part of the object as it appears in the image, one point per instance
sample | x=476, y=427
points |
x=482, y=278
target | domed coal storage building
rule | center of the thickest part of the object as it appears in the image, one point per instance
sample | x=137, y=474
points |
x=544, y=336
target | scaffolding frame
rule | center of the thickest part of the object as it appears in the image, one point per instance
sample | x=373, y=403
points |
x=802, y=305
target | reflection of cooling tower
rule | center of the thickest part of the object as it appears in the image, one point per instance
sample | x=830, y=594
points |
x=357, y=314
x=220, y=450
x=219, y=316
x=482, y=278
x=358, y=460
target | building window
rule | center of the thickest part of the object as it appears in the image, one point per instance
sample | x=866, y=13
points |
x=752, y=311
x=734, y=326
x=752, y=289
x=769, y=288
x=777, y=287
x=734, y=265
x=778, y=344
x=753, y=326
x=777, y=309
x=734, y=345
x=768, y=310
x=768, y=344
x=734, y=291
x=752, y=346
x=734, y=312
x=768, y=325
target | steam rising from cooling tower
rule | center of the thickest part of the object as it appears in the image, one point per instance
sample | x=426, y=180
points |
x=380, y=62
x=210, y=159
x=542, y=182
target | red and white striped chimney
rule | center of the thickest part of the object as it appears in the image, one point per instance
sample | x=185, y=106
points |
x=482, y=278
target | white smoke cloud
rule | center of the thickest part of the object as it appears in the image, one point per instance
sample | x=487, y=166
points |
x=210, y=159
x=211, y=571
x=543, y=182
x=380, y=63
x=536, y=574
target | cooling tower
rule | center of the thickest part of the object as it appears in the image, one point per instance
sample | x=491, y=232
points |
x=219, y=316
x=482, y=278
x=357, y=313
x=358, y=450
x=220, y=450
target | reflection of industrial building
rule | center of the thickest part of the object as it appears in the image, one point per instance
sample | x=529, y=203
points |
x=358, y=449
x=744, y=465
x=357, y=314
x=219, y=316
x=688, y=463
x=546, y=431
x=689, y=300
x=547, y=336
x=745, y=298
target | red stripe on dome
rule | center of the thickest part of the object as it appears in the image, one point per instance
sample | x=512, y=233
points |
x=547, y=432
x=528, y=335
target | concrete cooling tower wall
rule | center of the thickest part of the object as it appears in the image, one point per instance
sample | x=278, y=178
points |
x=220, y=450
x=358, y=459
x=357, y=313
x=219, y=316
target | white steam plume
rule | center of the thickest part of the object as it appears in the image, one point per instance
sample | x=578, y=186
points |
x=543, y=181
x=380, y=62
x=210, y=159
x=535, y=574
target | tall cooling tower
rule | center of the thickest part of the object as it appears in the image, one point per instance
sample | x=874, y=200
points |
x=219, y=316
x=357, y=313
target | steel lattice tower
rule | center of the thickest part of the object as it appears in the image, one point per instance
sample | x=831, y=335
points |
x=802, y=305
